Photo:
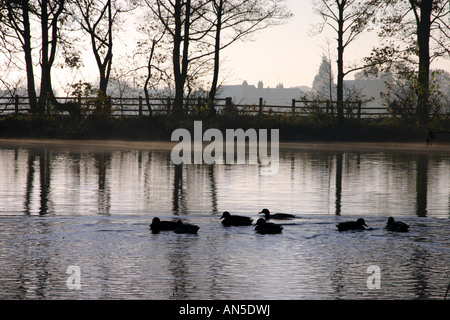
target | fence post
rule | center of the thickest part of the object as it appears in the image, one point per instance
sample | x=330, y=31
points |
x=359, y=109
x=169, y=105
x=140, y=106
x=293, y=106
x=16, y=105
x=228, y=102
x=108, y=105
x=260, y=106
x=79, y=101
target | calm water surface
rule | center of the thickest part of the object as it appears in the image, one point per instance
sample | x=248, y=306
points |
x=60, y=207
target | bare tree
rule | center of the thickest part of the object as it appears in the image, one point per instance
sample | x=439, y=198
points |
x=151, y=49
x=348, y=18
x=233, y=20
x=423, y=29
x=183, y=21
x=16, y=28
x=32, y=25
x=99, y=18
x=199, y=30
x=50, y=14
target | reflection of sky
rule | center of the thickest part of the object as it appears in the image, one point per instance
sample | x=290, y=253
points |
x=119, y=258
x=141, y=182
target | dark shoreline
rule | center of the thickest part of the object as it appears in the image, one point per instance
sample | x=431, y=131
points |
x=312, y=129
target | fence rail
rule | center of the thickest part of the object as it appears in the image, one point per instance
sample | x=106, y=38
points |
x=132, y=107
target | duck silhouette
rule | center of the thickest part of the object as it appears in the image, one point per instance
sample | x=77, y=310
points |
x=184, y=227
x=235, y=220
x=352, y=225
x=158, y=225
x=264, y=227
x=278, y=216
x=398, y=226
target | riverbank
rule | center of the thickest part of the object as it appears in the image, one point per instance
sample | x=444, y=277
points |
x=291, y=129
x=95, y=145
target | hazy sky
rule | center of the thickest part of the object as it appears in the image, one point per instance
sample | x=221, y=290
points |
x=286, y=54
x=289, y=54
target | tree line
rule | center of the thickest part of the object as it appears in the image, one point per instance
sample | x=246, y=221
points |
x=182, y=40
x=188, y=34
x=412, y=34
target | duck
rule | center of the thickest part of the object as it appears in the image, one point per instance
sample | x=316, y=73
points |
x=186, y=228
x=235, y=220
x=352, y=225
x=158, y=225
x=264, y=227
x=399, y=226
x=278, y=216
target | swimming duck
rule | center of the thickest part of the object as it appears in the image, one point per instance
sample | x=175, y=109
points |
x=235, y=220
x=186, y=228
x=352, y=225
x=278, y=216
x=264, y=227
x=158, y=225
x=399, y=226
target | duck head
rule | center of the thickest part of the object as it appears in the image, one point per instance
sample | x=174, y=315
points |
x=225, y=215
x=362, y=222
x=265, y=211
x=390, y=220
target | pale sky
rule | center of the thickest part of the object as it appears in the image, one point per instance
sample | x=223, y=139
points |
x=286, y=54
x=289, y=54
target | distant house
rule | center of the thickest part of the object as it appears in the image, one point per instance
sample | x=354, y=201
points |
x=246, y=94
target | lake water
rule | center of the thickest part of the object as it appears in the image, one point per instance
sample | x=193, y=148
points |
x=64, y=209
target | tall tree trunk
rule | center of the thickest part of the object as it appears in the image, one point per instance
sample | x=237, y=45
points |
x=31, y=88
x=105, y=66
x=177, y=39
x=423, y=41
x=48, y=51
x=45, y=67
x=149, y=74
x=180, y=60
x=340, y=64
x=213, y=90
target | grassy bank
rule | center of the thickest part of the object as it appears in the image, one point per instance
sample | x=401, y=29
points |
x=312, y=128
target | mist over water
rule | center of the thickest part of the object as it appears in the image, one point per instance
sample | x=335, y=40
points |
x=62, y=207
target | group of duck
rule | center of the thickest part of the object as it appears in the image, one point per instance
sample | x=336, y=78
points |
x=360, y=224
x=263, y=226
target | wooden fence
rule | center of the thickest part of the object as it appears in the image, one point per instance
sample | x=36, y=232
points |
x=138, y=107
